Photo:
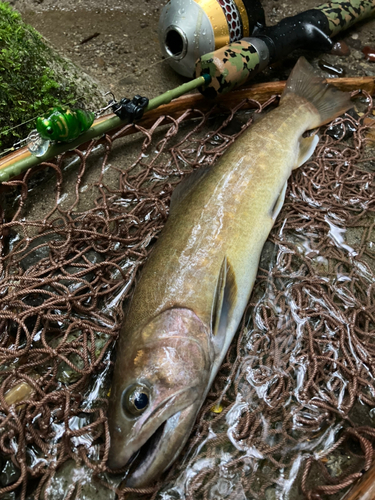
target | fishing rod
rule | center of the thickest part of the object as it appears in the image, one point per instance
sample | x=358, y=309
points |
x=61, y=115
x=21, y=160
x=231, y=65
x=207, y=29
x=218, y=72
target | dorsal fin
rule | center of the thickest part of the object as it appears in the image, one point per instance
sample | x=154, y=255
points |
x=327, y=101
x=186, y=186
x=222, y=306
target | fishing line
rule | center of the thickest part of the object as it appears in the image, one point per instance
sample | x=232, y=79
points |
x=97, y=113
x=16, y=126
x=137, y=73
x=100, y=111
x=31, y=119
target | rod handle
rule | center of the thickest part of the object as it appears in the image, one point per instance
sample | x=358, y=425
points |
x=342, y=15
x=232, y=65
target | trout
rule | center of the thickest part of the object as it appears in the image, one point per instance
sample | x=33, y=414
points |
x=195, y=286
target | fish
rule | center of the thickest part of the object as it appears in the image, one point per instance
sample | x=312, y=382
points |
x=197, y=281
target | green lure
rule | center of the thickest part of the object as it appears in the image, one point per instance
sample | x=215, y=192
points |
x=64, y=124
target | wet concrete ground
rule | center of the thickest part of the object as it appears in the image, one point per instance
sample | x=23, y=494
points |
x=122, y=56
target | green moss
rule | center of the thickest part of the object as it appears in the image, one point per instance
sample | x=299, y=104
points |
x=33, y=78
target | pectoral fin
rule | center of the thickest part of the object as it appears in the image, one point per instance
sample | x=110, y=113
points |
x=279, y=202
x=307, y=146
x=225, y=295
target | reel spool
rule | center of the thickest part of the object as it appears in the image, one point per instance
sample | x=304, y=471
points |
x=189, y=29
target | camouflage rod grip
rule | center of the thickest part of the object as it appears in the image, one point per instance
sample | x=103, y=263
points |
x=232, y=65
x=341, y=15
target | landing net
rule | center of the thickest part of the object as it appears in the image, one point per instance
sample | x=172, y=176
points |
x=291, y=410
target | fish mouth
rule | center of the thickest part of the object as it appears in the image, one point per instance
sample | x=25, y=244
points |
x=142, y=459
x=161, y=448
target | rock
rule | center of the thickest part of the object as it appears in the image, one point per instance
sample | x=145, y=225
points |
x=65, y=373
x=9, y=473
x=129, y=80
x=340, y=49
x=268, y=255
x=9, y=496
x=270, y=493
x=354, y=42
x=357, y=55
x=34, y=255
x=94, y=258
x=331, y=68
x=47, y=78
x=369, y=53
x=69, y=476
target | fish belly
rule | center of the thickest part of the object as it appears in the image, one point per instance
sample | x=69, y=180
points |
x=227, y=215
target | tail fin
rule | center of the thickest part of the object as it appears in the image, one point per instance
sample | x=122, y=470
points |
x=328, y=101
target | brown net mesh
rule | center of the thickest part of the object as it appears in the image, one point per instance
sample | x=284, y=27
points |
x=290, y=413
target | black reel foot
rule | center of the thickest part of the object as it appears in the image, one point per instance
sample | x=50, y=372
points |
x=131, y=110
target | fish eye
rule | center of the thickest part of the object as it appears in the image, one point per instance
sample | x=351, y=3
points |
x=49, y=130
x=135, y=400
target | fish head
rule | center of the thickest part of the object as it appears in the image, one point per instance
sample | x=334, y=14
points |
x=160, y=381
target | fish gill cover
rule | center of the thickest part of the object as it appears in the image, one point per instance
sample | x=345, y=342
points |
x=290, y=414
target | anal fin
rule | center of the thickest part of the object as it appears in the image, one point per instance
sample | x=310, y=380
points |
x=224, y=299
x=307, y=147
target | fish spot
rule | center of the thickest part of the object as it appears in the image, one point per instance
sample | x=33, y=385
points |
x=139, y=357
